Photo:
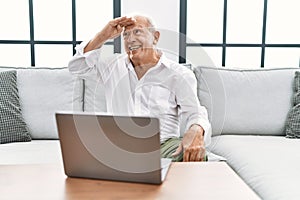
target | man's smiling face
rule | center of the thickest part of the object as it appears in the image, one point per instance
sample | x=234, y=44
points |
x=139, y=39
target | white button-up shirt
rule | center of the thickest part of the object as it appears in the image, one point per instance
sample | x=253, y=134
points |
x=167, y=91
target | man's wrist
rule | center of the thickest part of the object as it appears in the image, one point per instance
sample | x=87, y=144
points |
x=197, y=127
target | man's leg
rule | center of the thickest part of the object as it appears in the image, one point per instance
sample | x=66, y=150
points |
x=169, y=147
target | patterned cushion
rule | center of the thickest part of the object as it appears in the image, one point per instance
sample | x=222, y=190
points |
x=12, y=126
x=293, y=119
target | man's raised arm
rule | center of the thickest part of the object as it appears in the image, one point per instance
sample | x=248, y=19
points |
x=112, y=30
x=85, y=60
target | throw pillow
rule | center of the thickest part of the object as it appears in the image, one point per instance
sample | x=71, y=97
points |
x=293, y=119
x=12, y=126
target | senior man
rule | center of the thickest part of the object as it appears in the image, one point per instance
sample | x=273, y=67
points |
x=144, y=82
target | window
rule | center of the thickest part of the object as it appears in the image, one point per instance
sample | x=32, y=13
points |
x=15, y=55
x=205, y=21
x=282, y=57
x=14, y=20
x=52, y=20
x=244, y=21
x=53, y=55
x=44, y=33
x=251, y=34
x=91, y=22
x=204, y=28
x=205, y=56
x=283, y=22
x=228, y=33
x=243, y=57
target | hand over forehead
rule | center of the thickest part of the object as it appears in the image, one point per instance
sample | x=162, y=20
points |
x=125, y=21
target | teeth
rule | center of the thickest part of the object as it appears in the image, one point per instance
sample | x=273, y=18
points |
x=134, y=48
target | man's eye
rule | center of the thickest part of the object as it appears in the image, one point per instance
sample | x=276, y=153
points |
x=125, y=34
x=137, y=31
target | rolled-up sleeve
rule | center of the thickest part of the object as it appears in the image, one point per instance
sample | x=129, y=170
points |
x=190, y=108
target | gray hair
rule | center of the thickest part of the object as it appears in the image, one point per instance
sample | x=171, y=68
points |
x=149, y=20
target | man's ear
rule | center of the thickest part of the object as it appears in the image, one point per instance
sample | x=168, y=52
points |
x=156, y=37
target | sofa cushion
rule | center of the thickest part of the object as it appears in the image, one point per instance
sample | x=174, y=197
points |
x=246, y=101
x=268, y=164
x=94, y=96
x=12, y=126
x=43, y=91
x=293, y=120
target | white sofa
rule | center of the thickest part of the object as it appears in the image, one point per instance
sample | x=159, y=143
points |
x=42, y=91
x=247, y=109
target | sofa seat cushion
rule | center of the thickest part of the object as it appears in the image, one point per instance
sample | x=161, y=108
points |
x=34, y=152
x=268, y=164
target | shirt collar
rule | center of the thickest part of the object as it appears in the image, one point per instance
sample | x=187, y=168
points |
x=163, y=61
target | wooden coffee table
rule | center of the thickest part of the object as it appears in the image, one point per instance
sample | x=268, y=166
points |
x=210, y=180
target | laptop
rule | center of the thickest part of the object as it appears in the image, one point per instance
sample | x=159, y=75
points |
x=120, y=148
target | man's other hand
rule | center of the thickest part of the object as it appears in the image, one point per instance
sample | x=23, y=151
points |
x=192, y=145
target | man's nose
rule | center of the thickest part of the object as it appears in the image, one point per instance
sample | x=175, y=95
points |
x=130, y=37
